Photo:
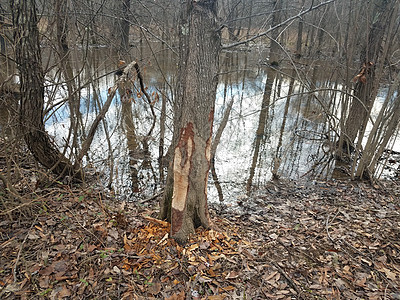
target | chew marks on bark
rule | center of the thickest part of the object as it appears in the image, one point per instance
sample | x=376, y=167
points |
x=182, y=164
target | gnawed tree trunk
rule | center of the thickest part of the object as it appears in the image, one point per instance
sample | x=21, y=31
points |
x=194, y=115
x=28, y=59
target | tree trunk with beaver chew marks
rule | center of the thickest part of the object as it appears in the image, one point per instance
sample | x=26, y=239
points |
x=185, y=199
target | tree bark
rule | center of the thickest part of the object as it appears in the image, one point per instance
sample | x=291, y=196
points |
x=124, y=25
x=194, y=115
x=367, y=80
x=300, y=35
x=28, y=59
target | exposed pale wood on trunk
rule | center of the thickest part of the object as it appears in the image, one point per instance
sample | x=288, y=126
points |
x=186, y=202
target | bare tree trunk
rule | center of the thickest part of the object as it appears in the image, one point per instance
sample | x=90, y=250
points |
x=214, y=146
x=163, y=117
x=277, y=159
x=124, y=25
x=194, y=116
x=382, y=131
x=67, y=71
x=132, y=142
x=262, y=121
x=366, y=81
x=28, y=58
x=2, y=39
x=264, y=112
x=299, y=42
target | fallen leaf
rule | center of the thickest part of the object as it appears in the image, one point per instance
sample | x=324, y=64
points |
x=44, y=282
x=60, y=266
x=204, y=245
x=232, y=275
x=113, y=233
x=217, y=297
x=64, y=292
x=91, y=248
x=33, y=236
x=180, y=296
x=389, y=274
x=315, y=287
x=266, y=278
x=47, y=271
x=155, y=288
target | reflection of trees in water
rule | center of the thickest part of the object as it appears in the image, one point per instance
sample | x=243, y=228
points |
x=326, y=47
x=262, y=129
x=300, y=154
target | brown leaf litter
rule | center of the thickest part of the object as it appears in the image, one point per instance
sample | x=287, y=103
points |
x=321, y=240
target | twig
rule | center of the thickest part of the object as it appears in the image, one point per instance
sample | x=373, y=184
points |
x=10, y=187
x=88, y=231
x=20, y=250
x=327, y=225
x=384, y=296
x=372, y=261
x=289, y=280
x=8, y=212
x=288, y=20
x=152, y=197
x=7, y=242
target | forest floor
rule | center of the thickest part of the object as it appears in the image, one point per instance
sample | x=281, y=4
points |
x=292, y=240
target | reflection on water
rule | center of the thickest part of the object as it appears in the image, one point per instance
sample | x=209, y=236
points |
x=298, y=148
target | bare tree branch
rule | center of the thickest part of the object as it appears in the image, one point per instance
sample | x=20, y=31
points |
x=301, y=13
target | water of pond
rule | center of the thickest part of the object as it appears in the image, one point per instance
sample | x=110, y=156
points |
x=242, y=79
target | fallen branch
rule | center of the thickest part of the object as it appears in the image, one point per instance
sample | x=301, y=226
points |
x=289, y=280
x=20, y=250
x=152, y=197
x=327, y=225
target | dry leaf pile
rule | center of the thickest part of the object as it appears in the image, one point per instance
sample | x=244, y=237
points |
x=329, y=240
x=326, y=240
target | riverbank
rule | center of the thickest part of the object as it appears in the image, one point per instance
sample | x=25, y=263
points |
x=293, y=240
